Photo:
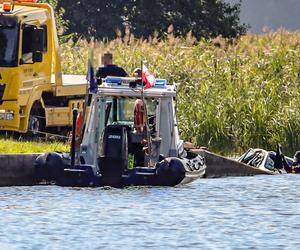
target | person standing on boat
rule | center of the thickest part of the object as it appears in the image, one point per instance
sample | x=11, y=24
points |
x=295, y=167
x=108, y=68
x=137, y=73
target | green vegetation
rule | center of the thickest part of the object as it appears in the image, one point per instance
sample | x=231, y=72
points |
x=233, y=94
x=62, y=25
x=9, y=146
x=103, y=19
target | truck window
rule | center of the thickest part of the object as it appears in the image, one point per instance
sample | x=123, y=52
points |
x=27, y=41
x=9, y=36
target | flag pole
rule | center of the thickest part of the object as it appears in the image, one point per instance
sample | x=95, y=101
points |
x=146, y=116
x=85, y=104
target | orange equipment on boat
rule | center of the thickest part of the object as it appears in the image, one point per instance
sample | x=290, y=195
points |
x=139, y=115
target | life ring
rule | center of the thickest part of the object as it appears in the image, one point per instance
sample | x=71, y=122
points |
x=139, y=115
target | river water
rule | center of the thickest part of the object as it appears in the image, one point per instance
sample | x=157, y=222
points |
x=261, y=212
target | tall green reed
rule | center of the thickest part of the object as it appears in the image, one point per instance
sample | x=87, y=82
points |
x=232, y=94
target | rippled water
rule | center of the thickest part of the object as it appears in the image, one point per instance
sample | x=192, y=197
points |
x=259, y=212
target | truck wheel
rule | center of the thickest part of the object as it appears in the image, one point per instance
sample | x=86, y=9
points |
x=36, y=123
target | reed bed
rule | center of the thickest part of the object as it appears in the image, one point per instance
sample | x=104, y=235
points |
x=232, y=94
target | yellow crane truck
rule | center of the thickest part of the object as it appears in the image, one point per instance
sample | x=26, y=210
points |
x=34, y=94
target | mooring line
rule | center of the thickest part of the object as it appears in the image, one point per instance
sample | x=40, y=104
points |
x=50, y=134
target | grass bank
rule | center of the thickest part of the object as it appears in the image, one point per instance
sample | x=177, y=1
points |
x=232, y=94
x=10, y=146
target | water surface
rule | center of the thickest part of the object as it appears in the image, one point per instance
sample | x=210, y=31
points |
x=259, y=212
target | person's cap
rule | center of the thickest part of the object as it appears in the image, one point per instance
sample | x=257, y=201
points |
x=137, y=72
x=297, y=156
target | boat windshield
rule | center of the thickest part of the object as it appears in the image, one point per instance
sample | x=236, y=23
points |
x=122, y=110
x=9, y=35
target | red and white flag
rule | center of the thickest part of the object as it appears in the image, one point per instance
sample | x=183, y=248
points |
x=147, y=78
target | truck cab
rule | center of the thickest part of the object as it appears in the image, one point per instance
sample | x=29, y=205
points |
x=32, y=94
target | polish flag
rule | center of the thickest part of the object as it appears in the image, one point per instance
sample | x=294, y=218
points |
x=147, y=78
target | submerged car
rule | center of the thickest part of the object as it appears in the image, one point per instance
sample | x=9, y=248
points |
x=264, y=160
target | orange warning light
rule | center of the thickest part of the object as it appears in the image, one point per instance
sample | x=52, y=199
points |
x=7, y=6
x=17, y=1
x=26, y=1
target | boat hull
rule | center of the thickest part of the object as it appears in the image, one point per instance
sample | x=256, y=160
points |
x=53, y=168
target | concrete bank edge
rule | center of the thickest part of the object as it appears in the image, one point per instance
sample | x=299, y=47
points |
x=18, y=169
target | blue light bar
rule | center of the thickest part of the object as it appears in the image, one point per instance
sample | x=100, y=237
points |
x=161, y=83
x=118, y=81
x=113, y=81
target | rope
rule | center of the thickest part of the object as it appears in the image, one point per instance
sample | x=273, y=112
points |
x=46, y=133
x=50, y=134
x=41, y=117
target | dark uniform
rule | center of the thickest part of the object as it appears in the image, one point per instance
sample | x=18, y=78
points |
x=292, y=169
x=295, y=167
x=110, y=70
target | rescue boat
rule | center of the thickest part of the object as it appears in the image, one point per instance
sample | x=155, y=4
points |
x=130, y=138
